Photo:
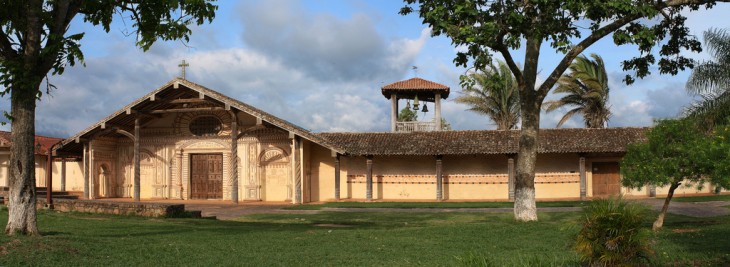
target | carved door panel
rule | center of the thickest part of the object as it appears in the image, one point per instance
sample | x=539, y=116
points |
x=606, y=179
x=206, y=176
x=199, y=176
x=215, y=176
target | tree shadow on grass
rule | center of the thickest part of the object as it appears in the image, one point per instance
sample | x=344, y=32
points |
x=695, y=237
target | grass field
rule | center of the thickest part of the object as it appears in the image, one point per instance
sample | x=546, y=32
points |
x=337, y=239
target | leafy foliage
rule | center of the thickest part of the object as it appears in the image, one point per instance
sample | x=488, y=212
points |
x=52, y=49
x=587, y=91
x=612, y=233
x=495, y=94
x=711, y=80
x=676, y=151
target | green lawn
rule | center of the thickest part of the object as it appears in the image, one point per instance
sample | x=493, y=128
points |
x=431, y=205
x=382, y=239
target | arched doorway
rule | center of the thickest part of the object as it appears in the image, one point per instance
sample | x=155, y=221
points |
x=276, y=175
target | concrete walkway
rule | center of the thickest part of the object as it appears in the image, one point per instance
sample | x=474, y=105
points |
x=693, y=209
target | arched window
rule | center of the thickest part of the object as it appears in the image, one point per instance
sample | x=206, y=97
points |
x=205, y=126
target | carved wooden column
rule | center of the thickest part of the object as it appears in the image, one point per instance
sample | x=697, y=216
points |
x=337, y=177
x=234, y=156
x=369, y=178
x=92, y=176
x=511, y=176
x=437, y=111
x=136, y=159
x=296, y=169
x=180, y=172
x=439, y=178
x=63, y=174
x=49, y=179
x=86, y=170
x=582, y=171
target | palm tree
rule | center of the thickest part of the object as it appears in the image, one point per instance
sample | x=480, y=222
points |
x=711, y=80
x=495, y=94
x=587, y=90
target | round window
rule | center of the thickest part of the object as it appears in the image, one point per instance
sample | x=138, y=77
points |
x=205, y=126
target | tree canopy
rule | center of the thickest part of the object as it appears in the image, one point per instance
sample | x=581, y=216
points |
x=34, y=41
x=678, y=152
x=509, y=28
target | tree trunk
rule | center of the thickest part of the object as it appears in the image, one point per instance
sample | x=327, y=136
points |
x=660, y=220
x=22, y=202
x=26, y=78
x=525, y=208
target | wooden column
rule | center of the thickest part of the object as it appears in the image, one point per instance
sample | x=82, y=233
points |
x=49, y=179
x=439, y=179
x=136, y=159
x=337, y=177
x=393, y=111
x=86, y=170
x=511, y=176
x=582, y=171
x=369, y=178
x=63, y=174
x=437, y=111
x=234, y=157
x=180, y=172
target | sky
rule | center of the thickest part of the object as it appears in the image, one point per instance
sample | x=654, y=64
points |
x=320, y=64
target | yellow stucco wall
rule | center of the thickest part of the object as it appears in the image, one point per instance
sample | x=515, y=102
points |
x=4, y=158
x=686, y=189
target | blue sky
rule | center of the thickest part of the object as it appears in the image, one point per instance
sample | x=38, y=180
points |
x=319, y=64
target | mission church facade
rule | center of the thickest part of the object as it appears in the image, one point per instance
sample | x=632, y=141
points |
x=185, y=141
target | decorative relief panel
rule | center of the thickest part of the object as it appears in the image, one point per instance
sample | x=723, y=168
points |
x=181, y=126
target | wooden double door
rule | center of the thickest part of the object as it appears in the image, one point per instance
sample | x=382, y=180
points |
x=606, y=179
x=206, y=176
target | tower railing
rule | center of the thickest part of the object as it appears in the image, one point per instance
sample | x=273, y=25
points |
x=415, y=126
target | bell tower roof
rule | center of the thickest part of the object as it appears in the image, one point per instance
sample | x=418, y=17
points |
x=408, y=89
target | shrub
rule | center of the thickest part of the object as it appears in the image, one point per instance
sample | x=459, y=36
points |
x=613, y=234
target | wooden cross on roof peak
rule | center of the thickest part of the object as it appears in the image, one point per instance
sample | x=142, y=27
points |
x=182, y=66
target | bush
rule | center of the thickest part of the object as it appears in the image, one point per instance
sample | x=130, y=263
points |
x=613, y=233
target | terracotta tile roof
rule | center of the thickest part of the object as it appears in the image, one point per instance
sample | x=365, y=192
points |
x=44, y=141
x=485, y=142
x=415, y=85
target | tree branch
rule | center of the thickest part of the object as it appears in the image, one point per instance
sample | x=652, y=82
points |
x=6, y=48
x=502, y=49
x=579, y=48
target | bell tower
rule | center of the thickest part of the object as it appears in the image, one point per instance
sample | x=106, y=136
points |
x=421, y=92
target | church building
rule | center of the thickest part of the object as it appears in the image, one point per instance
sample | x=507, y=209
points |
x=185, y=141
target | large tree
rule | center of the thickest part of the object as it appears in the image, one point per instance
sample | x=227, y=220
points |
x=510, y=28
x=677, y=153
x=493, y=92
x=34, y=41
x=711, y=80
x=585, y=90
